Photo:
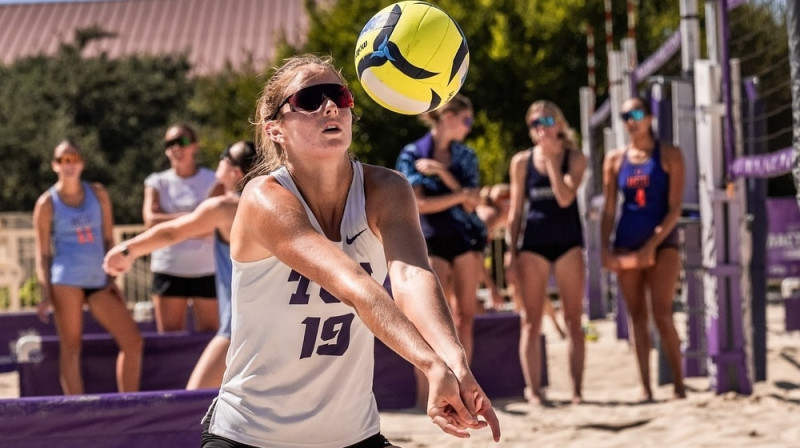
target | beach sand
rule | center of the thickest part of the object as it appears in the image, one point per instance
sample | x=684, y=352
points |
x=611, y=415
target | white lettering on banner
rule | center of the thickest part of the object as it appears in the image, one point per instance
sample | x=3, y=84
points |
x=789, y=240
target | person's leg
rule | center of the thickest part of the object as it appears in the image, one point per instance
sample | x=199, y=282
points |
x=170, y=312
x=550, y=311
x=210, y=368
x=466, y=272
x=570, y=274
x=114, y=316
x=205, y=308
x=533, y=272
x=661, y=280
x=512, y=278
x=206, y=314
x=632, y=286
x=68, y=315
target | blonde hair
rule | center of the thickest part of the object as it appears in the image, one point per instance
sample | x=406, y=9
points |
x=456, y=105
x=567, y=134
x=271, y=155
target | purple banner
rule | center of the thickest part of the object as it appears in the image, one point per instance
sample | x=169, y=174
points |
x=766, y=165
x=783, y=239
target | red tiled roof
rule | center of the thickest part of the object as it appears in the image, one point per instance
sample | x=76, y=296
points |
x=211, y=31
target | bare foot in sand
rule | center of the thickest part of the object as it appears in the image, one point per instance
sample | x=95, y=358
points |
x=679, y=393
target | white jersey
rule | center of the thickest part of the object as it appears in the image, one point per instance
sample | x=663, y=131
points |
x=195, y=256
x=300, y=365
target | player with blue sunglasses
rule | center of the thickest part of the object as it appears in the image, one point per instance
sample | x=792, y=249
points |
x=648, y=176
x=545, y=235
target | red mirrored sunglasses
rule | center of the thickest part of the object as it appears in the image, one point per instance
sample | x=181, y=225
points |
x=311, y=98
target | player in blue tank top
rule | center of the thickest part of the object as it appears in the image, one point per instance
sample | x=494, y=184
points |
x=548, y=238
x=214, y=215
x=74, y=223
x=644, y=253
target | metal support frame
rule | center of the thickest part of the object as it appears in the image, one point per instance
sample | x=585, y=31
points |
x=721, y=211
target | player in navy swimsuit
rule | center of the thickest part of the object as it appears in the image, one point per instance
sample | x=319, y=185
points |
x=544, y=181
x=649, y=175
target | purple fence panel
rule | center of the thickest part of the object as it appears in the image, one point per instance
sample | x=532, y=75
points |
x=132, y=420
x=167, y=363
x=783, y=239
x=14, y=325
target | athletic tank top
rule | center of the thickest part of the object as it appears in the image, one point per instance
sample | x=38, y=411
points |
x=645, y=191
x=546, y=222
x=454, y=222
x=222, y=263
x=78, y=241
x=193, y=257
x=300, y=364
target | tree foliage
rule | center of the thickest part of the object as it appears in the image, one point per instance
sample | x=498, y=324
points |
x=520, y=51
x=115, y=109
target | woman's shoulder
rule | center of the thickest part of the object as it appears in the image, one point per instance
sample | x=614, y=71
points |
x=46, y=198
x=671, y=157
x=522, y=156
x=575, y=154
x=378, y=176
x=670, y=150
x=97, y=187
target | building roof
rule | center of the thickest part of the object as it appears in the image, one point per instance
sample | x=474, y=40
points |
x=211, y=31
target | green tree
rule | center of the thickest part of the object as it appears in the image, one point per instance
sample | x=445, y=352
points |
x=223, y=107
x=520, y=51
x=116, y=109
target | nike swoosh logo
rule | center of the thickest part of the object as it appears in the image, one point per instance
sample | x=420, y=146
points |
x=350, y=240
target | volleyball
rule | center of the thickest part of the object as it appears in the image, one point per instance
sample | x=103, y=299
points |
x=411, y=57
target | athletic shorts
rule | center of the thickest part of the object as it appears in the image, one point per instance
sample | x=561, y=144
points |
x=671, y=241
x=449, y=248
x=171, y=286
x=89, y=291
x=209, y=440
x=551, y=252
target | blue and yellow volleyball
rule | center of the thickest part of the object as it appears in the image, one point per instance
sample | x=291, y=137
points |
x=411, y=57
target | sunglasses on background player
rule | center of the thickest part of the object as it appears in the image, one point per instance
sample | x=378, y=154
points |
x=226, y=154
x=311, y=98
x=69, y=158
x=547, y=122
x=635, y=115
x=182, y=141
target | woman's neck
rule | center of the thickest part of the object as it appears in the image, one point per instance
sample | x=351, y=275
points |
x=185, y=170
x=642, y=142
x=440, y=141
x=551, y=147
x=325, y=191
x=69, y=186
x=321, y=182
